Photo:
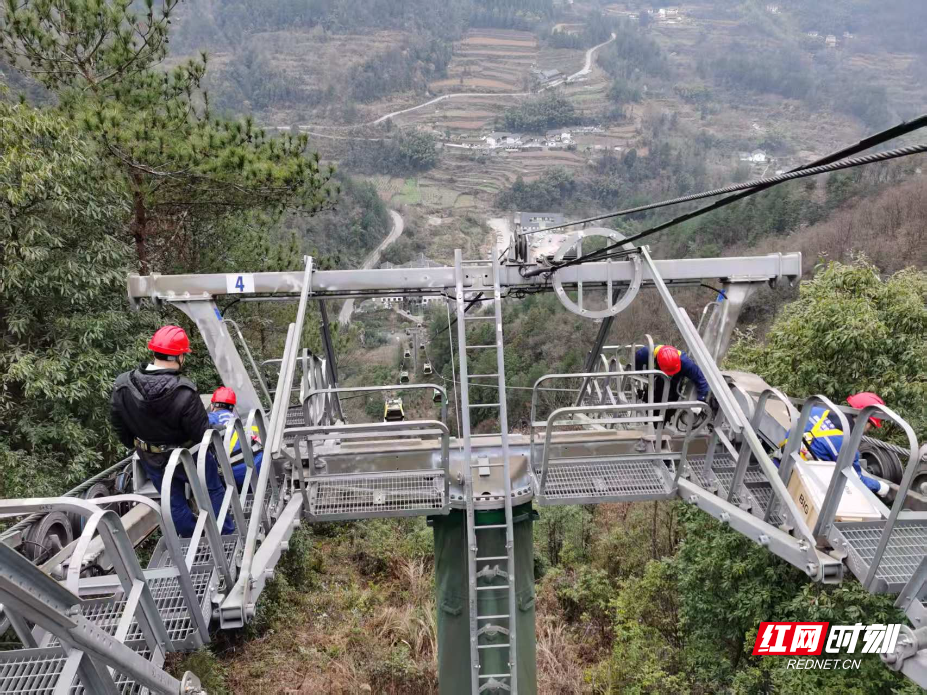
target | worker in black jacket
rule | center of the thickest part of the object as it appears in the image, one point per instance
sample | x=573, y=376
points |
x=156, y=410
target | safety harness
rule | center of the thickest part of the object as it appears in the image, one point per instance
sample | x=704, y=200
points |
x=816, y=432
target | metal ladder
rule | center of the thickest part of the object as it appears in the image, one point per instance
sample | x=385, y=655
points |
x=485, y=625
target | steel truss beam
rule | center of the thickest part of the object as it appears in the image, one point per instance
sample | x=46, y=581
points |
x=440, y=281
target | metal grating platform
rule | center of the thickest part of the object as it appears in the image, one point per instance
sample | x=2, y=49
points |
x=32, y=671
x=124, y=684
x=105, y=613
x=906, y=547
x=295, y=417
x=405, y=493
x=203, y=554
x=762, y=493
x=572, y=481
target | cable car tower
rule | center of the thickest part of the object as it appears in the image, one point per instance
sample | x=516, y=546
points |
x=91, y=619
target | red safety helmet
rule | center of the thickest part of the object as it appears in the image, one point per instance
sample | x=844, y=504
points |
x=224, y=394
x=169, y=340
x=861, y=400
x=668, y=360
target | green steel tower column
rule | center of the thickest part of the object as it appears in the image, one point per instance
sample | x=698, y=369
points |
x=450, y=535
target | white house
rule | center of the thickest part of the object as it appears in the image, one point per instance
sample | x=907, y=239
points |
x=830, y=41
x=755, y=157
x=494, y=140
x=772, y=9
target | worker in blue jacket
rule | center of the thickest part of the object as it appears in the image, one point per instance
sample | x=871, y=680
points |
x=677, y=365
x=823, y=439
x=221, y=413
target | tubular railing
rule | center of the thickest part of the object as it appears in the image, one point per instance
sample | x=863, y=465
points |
x=205, y=520
x=620, y=377
x=744, y=457
x=552, y=422
x=140, y=603
x=844, y=470
x=231, y=501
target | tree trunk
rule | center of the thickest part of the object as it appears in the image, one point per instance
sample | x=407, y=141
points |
x=139, y=224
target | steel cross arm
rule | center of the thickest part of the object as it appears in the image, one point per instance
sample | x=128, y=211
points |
x=440, y=281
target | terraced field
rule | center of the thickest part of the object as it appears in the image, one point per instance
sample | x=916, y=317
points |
x=492, y=60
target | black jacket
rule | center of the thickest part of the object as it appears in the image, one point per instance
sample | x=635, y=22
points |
x=159, y=407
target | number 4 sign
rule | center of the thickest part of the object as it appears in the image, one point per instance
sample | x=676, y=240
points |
x=236, y=284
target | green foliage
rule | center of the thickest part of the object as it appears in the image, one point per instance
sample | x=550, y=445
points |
x=648, y=654
x=88, y=45
x=62, y=292
x=623, y=92
x=584, y=593
x=632, y=54
x=400, y=69
x=345, y=234
x=550, y=110
x=248, y=82
x=771, y=213
x=549, y=192
x=850, y=330
x=790, y=72
x=596, y=29
x=407, y=152
x=184, y=170
x=211, y=672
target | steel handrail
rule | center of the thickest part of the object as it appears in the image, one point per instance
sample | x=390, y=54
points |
x=206, y=518
x=125, y=562
x=552, y=421
x=743, y=460
x=649, y=373
x=844, y=461
x=230, y=500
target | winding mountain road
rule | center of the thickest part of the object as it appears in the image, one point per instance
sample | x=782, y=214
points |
x=587, y=67
x=344, y=316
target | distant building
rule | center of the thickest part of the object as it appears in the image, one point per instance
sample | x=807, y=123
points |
x=755, y=157
x=813, y=34
x=772, y=9
x=847, y=35
x=830, y=41
x=535, y=221
x=546, y=76
x=665, y=13
x=494, y=140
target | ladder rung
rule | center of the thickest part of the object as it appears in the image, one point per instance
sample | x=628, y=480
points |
x=482, y=405
x=487, y=465
x=485, y=526
x=493, y=617
x=493, y=588
x=479, y=318
x=492, y=557
x=504, y=645
x=495, y=675
x=478, y=347
x=476, y=376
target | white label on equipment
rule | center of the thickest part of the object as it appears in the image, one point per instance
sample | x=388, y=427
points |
x=236, y=284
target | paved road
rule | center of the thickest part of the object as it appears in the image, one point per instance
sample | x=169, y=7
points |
x=587, y=68
x=344, y=316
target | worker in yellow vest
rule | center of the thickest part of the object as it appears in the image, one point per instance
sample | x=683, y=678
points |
x=823, y=439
